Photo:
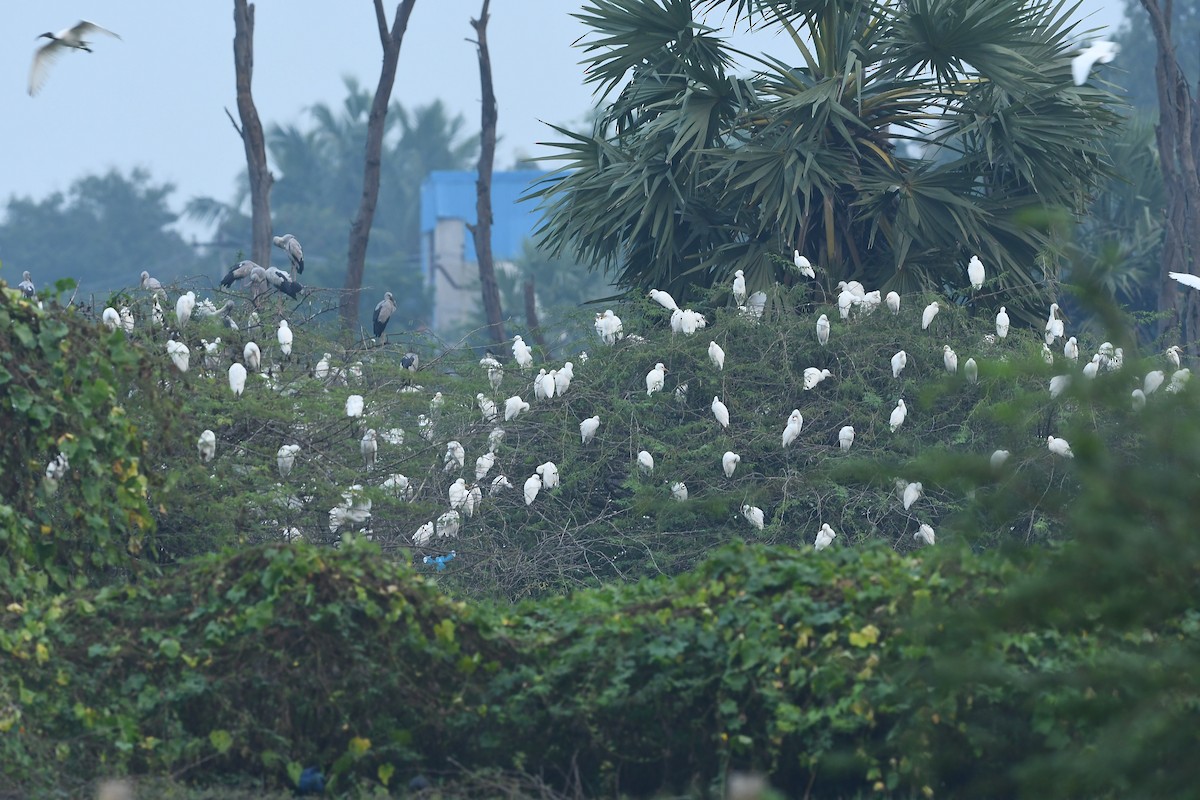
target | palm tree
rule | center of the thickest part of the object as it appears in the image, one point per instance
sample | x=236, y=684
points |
x=909, y=137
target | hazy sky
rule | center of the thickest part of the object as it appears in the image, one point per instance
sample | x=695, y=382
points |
x=156, y=98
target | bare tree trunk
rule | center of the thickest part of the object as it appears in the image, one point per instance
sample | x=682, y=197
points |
x=360, y=229
x=531, y=318
x=482, y=229
x=1178, y=136
x=251, y=132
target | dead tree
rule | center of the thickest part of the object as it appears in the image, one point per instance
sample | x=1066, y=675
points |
x=1178, y=136
x=251, y=132
x=360, y=229
x=482, y=229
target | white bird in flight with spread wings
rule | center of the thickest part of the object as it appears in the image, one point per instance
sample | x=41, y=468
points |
x=67, y=39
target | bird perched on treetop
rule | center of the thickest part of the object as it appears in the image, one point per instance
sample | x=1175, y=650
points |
x=283, y=282
x=67, y=39
x=290, y=245
x=26, y=285
x=383, y=312
x=238, y=271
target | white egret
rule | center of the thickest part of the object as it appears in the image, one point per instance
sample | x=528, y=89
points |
x=825, y=537
x=184, y=307
x=813, y=376
x=1054, y=325
x=899, y=362
x=1059, y=384
x=1178, y=380
x=285, y=458
x=321, y=370
x=290, y=245
x=729, y=462
x=893, y=302
x=487, y=407
x=1173, y=354
x=425, y=427
x=1092, y=368
x=756, y=304
x=28, y=290
x=549, y=473
x=1152, y=381
x=457, y=493
x=448, y=524
x=495, y=438
x=950, y=359
x=501, y=482
x=869, y=302
x=803, y=264
x=514, y=406
x=929, y=313
x=739, y=288
x=912, y=493
x=66, y=39
x=423, y=535
x=845, y=301
x=533, y=485
x=435, y=403
x=483, y=465
x=679, y=491
x=655, y=378
x=284, y=335
x=1191, y=281
x=207, y=445
x=1048, y=357
x=369, y=445
x=1071, y=349
x=609, y=327
x=474, y=499
x=494, y=370
x=645, y=461
x=1139, y=399
x=1002, y=323
x=898, y=415
x=822, y=330
x=212, y=352
x=588, y=428
x=753, y=515
x=393, y=436
x=522, y=353
x=543, y=385
x=925, y=535
x=664, y=299
x=853, y=287
x=252, y=356
x=692, y=321
x=846, y=437
x=127, y=319
x=111, y=319
x=998, y=458
x=455, y=457
x=720, y=411
x=563, y=378
x=354, y=405
x=179, y=354
x=716, y=355
x=237, y=378
x=1098, y=51
x=975, y=273
x=791, y=431
x=382, y=313
x=971, y=370
x=1059, y=447
x=399, y=485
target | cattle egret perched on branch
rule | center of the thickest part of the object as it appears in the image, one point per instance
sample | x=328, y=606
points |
x=237, y=379
x=494, y=370
x=457, y=493
x=998, y=458
x=803, y=265
x=753, y=515
x=321, y=370
x=212, y=352
x=252, y=356
x=369, y=445
x=455, y=457
x=290, y=245
x=608, y=327
x=1059, y=447
x=664, y=299
x=1054, y=325
x=487, y=407
x=822, y=330
x=66, y=39
x=588, y=428
x=975, y=273
x=483, y=465
x=563, y=378
x=1059, y=384
x=899, y=362
x=354, y=405
x=111, y=319
x=893, y=302
x=729, y=463
x=285, y=458
x=739, y=288
x=522, y=353
x=207, y=445
x=845, y=301
x=1152, y=381
x=1100, y=50
x=495, y=438
x=549, y=473
x=383, y=312
x=971, y=370
x=1092, y=368
x=179, y=354
x=846, y=437
x=184, y=307
x=1173, y=353
x=645, y=461
x=1002, y=323
x=423, y=535
x=912, y=493
x=1139, y=399
x=825, y=537
x=533, y=485
x=929, y=313
x=501, y=482
x=898, y=415
x=1178, y=380
x=716, y=355
x=679, y=491
x=543, y=386
x=514, y=406
x=791, y=431
x=1071, y=349
x=813, y=376
x=284, y=335
x=655, y=378
x=448, y=524
x=756, y=304
x=950, y=359
x=925, y=535
x=720, y=411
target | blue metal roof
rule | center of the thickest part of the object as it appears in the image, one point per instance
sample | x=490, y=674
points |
x=447, y=194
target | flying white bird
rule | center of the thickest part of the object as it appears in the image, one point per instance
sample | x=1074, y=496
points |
x=893, y=302
x=207, y=445
x=929, y=313
x=455, y=457
x=184, y=307
x=1059, y=447
x=645, y=461
x=290, y=245
x=369, y=445
x=822, y=330
x=522, y=353
x=898, y=415
x=971, y=370
x=1071, y=349
x=846, y=437
x=899, y=362
x=912, y=493
x=655, y=378
x=533, y=485
x=514, y=406
x=925, y=535
x=720, y=411
x=285, y=458
x=1178, y=380
x=998, y=458
x=237, y=378
x=588, y=428
x=1098, y=51
x=1152, y=381
x=179, y=354
x=716, y=355
x=483, y=465
x=111, y=319
x=729, y=463
x=950, y=359
x=803, y=264
x=67, y=39
x=1191, y=281
x=753, y=515
x=1139, y=399
x=739, y=288
x=975, y=273
x=813, y=376
x=679, y=491
x=1059, y=384
x=825, y=537
x=284, y=335
x=354, y=405
x=1002, y=323
x=664, y=299
x=457, y=493
x=791, y=431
